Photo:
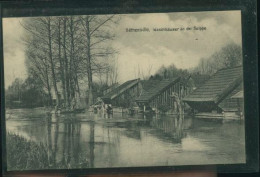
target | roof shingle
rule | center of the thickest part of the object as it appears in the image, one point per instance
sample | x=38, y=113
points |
x=218, y=86
x=120, y=89
x=155, y=90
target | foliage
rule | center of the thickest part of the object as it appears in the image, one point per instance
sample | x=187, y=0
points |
x=28, y=93
x=171, y=72
x=229, y=56
x=98, y=90
x=157, y=77
x=25, y=155
x=67, y=52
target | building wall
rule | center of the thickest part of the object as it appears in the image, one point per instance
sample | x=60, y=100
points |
x=132, y=93
x=164, y=98
x=232, y=104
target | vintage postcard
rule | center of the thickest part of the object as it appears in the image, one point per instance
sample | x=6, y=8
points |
x=129, y=90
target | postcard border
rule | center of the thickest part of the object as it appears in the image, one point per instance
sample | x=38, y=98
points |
x=250, y=66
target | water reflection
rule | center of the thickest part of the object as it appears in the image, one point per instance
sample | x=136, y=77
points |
x=94, y=140
x=171, y=127
x=63, y=143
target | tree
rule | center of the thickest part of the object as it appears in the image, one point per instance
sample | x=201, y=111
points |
x=68, y=42
x=38, y=66
x=96, y=32
x=47, y=22
x=170, y=72
x=112, y=73
x=229, y=56
x=14, y=91
x=25, y=92
x=64, y=51
x=41, y=38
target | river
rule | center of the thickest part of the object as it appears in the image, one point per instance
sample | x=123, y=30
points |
x=89, y=140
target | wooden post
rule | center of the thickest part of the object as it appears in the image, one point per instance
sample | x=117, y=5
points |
x=239, y=111
x=165, y=96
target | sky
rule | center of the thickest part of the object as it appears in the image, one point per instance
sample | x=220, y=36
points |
x=145, y=51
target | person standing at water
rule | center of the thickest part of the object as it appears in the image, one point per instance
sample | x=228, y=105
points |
x=104, y=110
x=73, y=104
x=109, y=110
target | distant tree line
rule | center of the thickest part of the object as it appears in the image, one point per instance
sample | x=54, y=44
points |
x=26, y=93
x=229, y=56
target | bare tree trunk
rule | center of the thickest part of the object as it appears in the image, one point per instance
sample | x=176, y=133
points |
x=72, y=67
x=60, y=59
x=75, y=92
x=48, y=87
x=52, y=63
x=89, y=69
x=95, y=35
x=66, y=82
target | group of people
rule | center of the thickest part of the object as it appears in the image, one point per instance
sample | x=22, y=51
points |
x=107, y=108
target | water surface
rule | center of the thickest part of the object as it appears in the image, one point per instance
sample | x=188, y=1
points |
x=89, y=140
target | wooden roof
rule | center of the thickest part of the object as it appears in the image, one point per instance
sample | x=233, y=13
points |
x=239, y=94
x=221, y=84
x=120, y=89
x=155, y=90
x=230, y=104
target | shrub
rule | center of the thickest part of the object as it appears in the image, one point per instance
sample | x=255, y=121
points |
x=25, y=155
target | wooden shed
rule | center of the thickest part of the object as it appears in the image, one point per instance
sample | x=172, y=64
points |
x=215, y=93
x=129, y=89
x=159, y=94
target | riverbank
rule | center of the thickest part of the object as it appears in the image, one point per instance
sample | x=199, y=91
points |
x=25, y=155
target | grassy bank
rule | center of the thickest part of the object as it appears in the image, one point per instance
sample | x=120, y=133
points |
x=25, y=155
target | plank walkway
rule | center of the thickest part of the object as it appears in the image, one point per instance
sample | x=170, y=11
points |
x=220, y=116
